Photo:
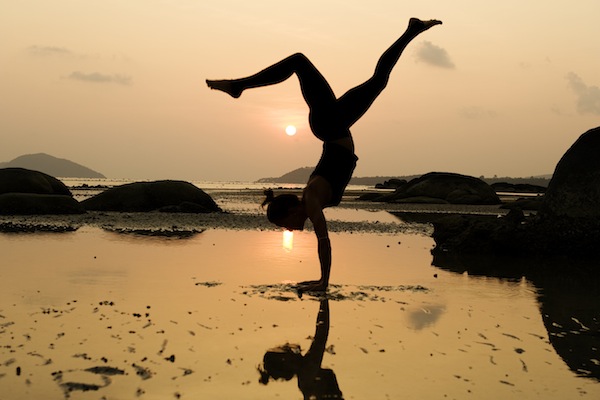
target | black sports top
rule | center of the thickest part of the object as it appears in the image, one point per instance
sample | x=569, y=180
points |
x=336, y=166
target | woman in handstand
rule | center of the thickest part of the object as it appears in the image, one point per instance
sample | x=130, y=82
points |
x=330, y=120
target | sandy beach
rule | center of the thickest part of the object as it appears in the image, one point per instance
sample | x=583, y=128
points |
x=169, y=306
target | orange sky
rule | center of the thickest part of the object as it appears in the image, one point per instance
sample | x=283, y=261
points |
x=500, y=89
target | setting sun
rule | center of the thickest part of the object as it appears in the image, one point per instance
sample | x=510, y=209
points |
x=290, y=130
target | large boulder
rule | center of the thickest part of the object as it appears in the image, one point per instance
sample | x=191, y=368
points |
x=27, y=192
x=38, y=204
x=166, y=195
x=444, y=187
x=574, y=191
x=21, y=180
x=568, y=221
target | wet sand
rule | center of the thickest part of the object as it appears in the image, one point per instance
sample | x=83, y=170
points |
x=166, y=306
x=242, y=212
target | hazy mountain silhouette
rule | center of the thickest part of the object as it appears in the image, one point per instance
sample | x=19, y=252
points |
x=301, y=175
x=53, y=166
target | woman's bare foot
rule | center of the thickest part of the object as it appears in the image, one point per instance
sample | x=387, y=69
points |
x=226, y=86
x=420, y=26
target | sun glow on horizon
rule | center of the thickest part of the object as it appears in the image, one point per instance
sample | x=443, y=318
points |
x=290, y=130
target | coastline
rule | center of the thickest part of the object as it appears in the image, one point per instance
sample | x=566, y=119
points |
x=242, y=211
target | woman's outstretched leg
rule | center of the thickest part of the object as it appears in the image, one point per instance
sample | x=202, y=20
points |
x=357, y=101
x=315, y=89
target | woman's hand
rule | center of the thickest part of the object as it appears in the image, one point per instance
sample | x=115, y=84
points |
x=312, y=286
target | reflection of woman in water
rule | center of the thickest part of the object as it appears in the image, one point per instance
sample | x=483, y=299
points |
x=285, y=361
x=330, y=120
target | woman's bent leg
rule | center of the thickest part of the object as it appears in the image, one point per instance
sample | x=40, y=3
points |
x=357, y=101
x=315, y=89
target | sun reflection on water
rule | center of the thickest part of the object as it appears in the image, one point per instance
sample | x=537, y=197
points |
x=288, y=240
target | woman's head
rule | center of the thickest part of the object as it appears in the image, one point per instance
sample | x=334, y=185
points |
x=282, y=362
x=284, y=210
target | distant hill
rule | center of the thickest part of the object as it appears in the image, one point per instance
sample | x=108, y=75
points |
x=53, y=166
x=301, y=175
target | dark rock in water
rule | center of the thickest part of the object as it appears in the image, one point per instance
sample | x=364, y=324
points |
x=371, y=196
x=478, y=234
x=568, y=221
x=574, y=190
x=38, y=204
x=393, y=183
x=517, y=187
x=21, y=180
x=167, y=195
x=441, y=188
x=524, y=203
x=421, y=200
x=516, y=235
x=27, y=192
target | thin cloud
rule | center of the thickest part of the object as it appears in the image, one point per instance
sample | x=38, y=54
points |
x=588, y=97
x=434, y=55
x=96, y=77
x=476, y=113
x=47, y=51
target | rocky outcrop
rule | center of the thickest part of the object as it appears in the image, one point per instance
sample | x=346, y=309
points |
x=574, y=191
x=517, y=187
x=568, y=221
x=38, y=204
x=441, y=188
x=27, y=192
x=21, y=180
x=166, y=195
x=393, y=183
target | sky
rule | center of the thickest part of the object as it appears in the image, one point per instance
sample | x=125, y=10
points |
x=500, y=89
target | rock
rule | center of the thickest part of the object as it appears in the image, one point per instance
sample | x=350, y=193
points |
x=393, y=183
x=166, y=195
x=27, y=192
x=524, y=203
x=478, y=234
x=21, y=180
x=568, y=221
x=447, y=187
x=372, y=196
x=420, y=200
x=517, y=187
x=574, y=190
x=38, y=204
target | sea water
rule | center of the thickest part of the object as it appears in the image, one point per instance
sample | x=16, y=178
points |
x=96, y=313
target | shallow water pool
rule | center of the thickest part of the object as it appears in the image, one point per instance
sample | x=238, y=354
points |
x=97, y=314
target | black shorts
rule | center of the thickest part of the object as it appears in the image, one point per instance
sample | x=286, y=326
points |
x=336, y=166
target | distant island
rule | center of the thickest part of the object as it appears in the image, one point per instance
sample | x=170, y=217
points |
x=301, y=176
x=53, y=166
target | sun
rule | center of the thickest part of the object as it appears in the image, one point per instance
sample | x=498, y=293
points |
x=290, y=130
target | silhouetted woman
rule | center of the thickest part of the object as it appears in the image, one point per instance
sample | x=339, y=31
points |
x=330, y=120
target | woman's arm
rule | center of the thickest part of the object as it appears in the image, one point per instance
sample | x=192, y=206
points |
x=314, y=211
